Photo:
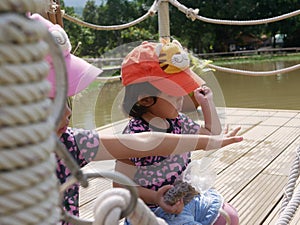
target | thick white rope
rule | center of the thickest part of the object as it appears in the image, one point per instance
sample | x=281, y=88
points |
x=115, y=204
x=22, y=114
x=255, y=73
x=192, y=14
x=291, y=200
x=26, y=155
x=31, y=72
x=29, y=192
x=110, y=204
x=294, y=175
x=15, y=180
x=27, y=53
x=150, y=12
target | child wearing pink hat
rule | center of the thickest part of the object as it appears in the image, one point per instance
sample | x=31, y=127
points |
x=80, y=72
x=88, y=145
x=156, y=76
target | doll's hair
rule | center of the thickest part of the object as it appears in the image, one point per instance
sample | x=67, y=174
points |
x=132, y=92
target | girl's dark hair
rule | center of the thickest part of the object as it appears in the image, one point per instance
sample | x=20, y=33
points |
x=132, y=92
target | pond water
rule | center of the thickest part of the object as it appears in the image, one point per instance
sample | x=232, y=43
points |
x=100, y=103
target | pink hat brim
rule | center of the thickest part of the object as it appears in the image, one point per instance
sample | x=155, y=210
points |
x=80, y=75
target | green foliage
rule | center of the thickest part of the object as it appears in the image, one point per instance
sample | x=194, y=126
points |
x=136, y=34
x=198, y=36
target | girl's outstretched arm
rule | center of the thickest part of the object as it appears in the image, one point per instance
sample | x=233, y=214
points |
x=124, y=146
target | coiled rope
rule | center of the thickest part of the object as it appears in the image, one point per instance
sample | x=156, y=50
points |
x=29, y=193
x=29, y=190
x=112, y=202
x=291, y=200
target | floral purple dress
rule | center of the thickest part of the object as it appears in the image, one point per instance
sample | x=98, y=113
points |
x=83, y=146
x=154, y=172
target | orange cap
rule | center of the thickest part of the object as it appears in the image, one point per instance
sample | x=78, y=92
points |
x=165, y=66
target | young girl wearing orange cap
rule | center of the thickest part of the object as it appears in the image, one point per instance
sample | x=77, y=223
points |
x=156, y=77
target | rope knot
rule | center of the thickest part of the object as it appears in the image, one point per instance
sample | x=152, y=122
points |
x=192, y=13
x=52, y=7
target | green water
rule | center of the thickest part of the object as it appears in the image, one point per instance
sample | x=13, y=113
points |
x=100, y=103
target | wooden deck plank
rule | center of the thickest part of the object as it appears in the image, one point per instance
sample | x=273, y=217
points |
x=275, y=178
x=251, y=174
x=247, y=119
x=260, y=151
x=282, y=168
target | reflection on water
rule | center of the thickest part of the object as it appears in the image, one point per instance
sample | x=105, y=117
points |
x=100, y=104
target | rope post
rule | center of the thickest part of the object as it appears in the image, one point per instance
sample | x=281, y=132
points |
x=55, y=16
x=29, y=192
x=164, y=20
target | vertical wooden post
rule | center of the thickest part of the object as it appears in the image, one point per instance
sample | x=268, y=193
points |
x=59, y=19
x=55, y=17
x=164, y=20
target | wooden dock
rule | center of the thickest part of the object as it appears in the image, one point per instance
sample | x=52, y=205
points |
x=251, y=175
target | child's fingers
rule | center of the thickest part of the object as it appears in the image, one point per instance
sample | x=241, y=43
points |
x=231, y=140
x=225, y=131
x=234, y=131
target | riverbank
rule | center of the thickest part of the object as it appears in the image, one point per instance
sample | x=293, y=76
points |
x=227, y=60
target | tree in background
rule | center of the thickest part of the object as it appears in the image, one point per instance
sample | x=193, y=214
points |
x=196, y=35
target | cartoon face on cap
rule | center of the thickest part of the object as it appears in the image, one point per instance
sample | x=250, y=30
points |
x=172, y=58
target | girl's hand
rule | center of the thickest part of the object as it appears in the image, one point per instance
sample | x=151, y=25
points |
x=173, y=209
x=231, y=133
x=203, y=94
x=227, y=138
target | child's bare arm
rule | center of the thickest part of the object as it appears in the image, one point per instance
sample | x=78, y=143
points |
x=212, y=124
x=145, y=144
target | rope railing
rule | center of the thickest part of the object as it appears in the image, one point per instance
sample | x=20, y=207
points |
x=193, y=15
x=28, y=185
x=150, y=12
x=226, y=70
x=255, y=73
x=190, y=13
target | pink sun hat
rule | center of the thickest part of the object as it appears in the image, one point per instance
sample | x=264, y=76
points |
x=80, y=73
